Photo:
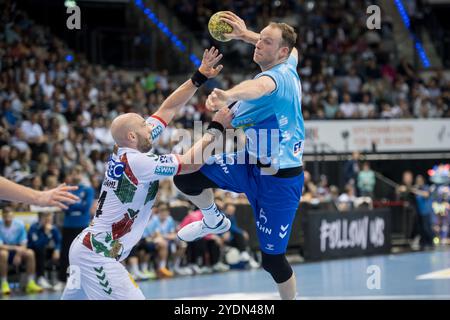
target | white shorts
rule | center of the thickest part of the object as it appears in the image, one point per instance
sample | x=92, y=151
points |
x=95, y=277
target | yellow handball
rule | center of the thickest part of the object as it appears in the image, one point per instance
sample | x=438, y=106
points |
x=217, y=28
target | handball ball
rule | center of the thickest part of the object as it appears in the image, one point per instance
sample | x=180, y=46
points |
x=217, y=28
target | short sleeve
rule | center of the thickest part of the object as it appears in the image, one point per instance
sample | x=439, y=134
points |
x=150, y=167
x=158, y=125
x=292, y=61
x=267, y=98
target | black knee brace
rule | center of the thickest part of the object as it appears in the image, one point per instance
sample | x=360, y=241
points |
x=193, y=184
x=278, y=266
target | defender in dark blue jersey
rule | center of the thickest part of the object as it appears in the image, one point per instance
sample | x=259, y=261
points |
x=269, y=170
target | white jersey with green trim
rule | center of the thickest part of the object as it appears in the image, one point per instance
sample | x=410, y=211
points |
x=128, y=192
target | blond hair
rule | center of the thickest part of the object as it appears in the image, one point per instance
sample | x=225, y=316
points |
x=288, y=35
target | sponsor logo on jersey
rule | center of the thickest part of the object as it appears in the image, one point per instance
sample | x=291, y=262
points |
x=115, y=169
x=156, y=131
x=111, y=183
x=165, y=159
x=298, y=147
x=283, y=121
x=286, y=136
x=260, y=226
x=165, y=170
x=247, y=122
x=262, y=216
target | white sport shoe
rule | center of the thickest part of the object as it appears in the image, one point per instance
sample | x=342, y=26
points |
x=198, y=229
x=196, y=269
x=220, y=267
x=59, y=286
x=253, y=264
x=183, y=271
x=139, y=276
x=43, y=283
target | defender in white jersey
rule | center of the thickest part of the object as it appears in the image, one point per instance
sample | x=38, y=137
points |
x=128, y=192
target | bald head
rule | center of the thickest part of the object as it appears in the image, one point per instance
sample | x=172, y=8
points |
x=130, y=130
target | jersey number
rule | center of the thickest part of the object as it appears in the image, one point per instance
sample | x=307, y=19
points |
x=101, y=202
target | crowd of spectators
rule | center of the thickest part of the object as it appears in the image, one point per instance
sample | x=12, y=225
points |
x=56, y=109
x=347, y=71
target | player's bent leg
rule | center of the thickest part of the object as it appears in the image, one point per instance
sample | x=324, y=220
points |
x=197, y=188
x=95, y=277
x=193, y=184
x=109, y=281
x=281, y=271
x=224, y=173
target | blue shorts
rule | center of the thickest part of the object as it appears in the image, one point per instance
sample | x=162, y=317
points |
x=274, y=200
x=11, y=256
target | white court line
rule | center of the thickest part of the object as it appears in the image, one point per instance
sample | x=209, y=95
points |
x=440, y=274
x=275, y=296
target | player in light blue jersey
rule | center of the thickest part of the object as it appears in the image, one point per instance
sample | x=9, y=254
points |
x=269, y=171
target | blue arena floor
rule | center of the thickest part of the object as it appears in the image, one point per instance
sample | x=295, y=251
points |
x=420, y=275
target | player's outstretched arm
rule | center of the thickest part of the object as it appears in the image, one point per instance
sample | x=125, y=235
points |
x=247, y=90
x=55, y=197
x=221, y=118
x=184, y=93
x=240, y=31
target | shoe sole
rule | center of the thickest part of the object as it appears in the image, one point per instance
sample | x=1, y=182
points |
x=227, y=221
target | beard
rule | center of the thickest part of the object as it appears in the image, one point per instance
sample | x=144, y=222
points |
x=144, y=145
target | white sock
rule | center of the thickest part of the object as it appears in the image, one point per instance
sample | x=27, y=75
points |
x=211, y=215
x=30, y=277
x=177, y=262
x=134, y=269
x=144, y=266
x=4, y=279
x=162, y=264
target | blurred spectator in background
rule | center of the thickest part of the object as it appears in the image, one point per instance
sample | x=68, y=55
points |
x=162, y=229
x=204, y=255
x=237, y=237
x=347, y=199
x=405, y=193
x=14, y=252
x=44, y=238
x=309, y=188
x=425, y=213
x=76, y=218
x=366, y=181
x=352, y=168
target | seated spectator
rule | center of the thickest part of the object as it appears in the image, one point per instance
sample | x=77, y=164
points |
x=331, y=106
x=347, y=107
x=14, y=252
x=309, y=188
x=347, y=199
x=140, y=257
x=237, y=237
x=44, y=238
x=162, y=228
x=204, y=255
x=154, y=241
x=366, y=108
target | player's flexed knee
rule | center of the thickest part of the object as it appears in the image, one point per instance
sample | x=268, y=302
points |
x=129, y=190
x=268, y=105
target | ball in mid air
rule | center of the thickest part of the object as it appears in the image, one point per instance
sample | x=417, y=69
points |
x=217, y=28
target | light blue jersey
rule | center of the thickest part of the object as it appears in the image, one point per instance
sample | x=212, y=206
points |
x=14, y=235
x=280, y=113
x=156, y=225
